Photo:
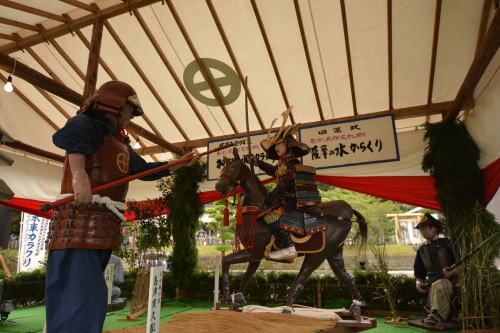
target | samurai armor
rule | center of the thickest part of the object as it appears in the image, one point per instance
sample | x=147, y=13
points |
x=92, y=226
x=314, y=224
x=110, y=162
x=293, y=221
x=273, y=216
x=301, y=223
x=306, y=189
x=84, y=227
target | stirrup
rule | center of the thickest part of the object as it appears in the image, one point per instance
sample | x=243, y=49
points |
x=288, y=253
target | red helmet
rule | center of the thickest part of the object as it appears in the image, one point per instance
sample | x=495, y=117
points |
x=112, y=97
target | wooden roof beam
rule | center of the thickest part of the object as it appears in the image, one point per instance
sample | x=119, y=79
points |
x=204, y=71
x=18, y=145
x=114, y=77
x=18, y=24
x=271, y=56
x=93, y=60
x=81, y=5
x=101, y=61
x=7, y=37
x=32, y=10
x=483, y=57
x=78, y=23
x=35, y=108
x=145, y=79
x=235, y=61
x=39, y=80
x=67, y=58
x=171, y=70
x=484, y=22
x=308, y=58
x=403, y=113
x=348, y=55
x=140, y=131
x=437, y=21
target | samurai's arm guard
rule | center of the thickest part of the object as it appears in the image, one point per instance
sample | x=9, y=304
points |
x=266, y=167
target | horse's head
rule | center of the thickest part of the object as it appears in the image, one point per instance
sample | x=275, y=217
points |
x=233, y=172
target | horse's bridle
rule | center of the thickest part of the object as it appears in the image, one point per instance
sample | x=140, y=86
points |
x=232, y=183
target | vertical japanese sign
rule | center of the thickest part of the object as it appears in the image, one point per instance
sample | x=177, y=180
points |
x=154, y=301
x=34, y=232
x=108, y=277
x=215, y=161
x=354, y=142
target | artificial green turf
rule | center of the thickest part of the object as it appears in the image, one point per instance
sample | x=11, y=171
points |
x=31, y=319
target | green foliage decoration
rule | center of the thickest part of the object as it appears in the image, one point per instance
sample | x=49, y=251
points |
x=180, y=192
x=451, y=157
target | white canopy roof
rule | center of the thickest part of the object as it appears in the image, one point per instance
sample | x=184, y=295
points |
x=394, y=66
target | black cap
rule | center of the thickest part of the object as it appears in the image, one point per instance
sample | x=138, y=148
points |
x=430, y=221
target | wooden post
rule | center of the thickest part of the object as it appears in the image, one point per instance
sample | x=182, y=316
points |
x=5, y=268
x=218, y=260
x=93, y=63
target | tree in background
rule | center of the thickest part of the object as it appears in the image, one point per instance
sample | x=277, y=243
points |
x=380, y=227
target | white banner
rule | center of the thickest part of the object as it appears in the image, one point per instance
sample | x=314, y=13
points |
x=154, y=300
x=353, y=142
x=215, y=161
x=34, y=230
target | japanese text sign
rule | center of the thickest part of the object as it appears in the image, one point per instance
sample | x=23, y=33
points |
x=34, y=232
x=344, y=143
x=215, y=161
x=154, y=301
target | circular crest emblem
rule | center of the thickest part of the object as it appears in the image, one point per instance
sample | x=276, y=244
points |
x=225, y=79
x=122, y=162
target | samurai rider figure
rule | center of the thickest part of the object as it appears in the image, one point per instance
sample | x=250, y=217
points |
x=83, y=233
x=431, y=269
x=287, y=150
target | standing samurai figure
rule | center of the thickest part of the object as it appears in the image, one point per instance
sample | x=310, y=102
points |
x=287, y=150
x=83, y=233
x=433, y=259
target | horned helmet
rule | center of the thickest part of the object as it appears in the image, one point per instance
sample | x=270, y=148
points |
x=285, y=134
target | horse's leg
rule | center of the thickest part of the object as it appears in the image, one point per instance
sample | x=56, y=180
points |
x=227, y=261
x=336, y=262
x=251, y=269
x=310, y=264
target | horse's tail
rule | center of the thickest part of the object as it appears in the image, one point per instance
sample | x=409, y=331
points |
x=363, y=227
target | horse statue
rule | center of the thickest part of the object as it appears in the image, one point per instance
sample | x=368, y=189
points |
x=337, y=213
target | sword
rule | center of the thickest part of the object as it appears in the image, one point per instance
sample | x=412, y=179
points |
x=248, y=125
x=121, y=181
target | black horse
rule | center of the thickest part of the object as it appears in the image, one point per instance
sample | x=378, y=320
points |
x=338, y=214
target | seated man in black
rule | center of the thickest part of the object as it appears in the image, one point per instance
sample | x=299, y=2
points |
x=433, y=258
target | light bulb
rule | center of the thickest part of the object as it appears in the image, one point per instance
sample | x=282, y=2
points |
x=137, y=145
x=8, y=87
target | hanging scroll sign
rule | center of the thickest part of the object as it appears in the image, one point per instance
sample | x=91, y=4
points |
x=215, y=162
x=354, y=142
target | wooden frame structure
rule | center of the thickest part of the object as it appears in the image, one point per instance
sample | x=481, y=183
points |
x=488, y=40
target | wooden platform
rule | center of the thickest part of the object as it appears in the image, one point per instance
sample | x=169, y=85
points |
x=444, y=326
x=348, y=323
